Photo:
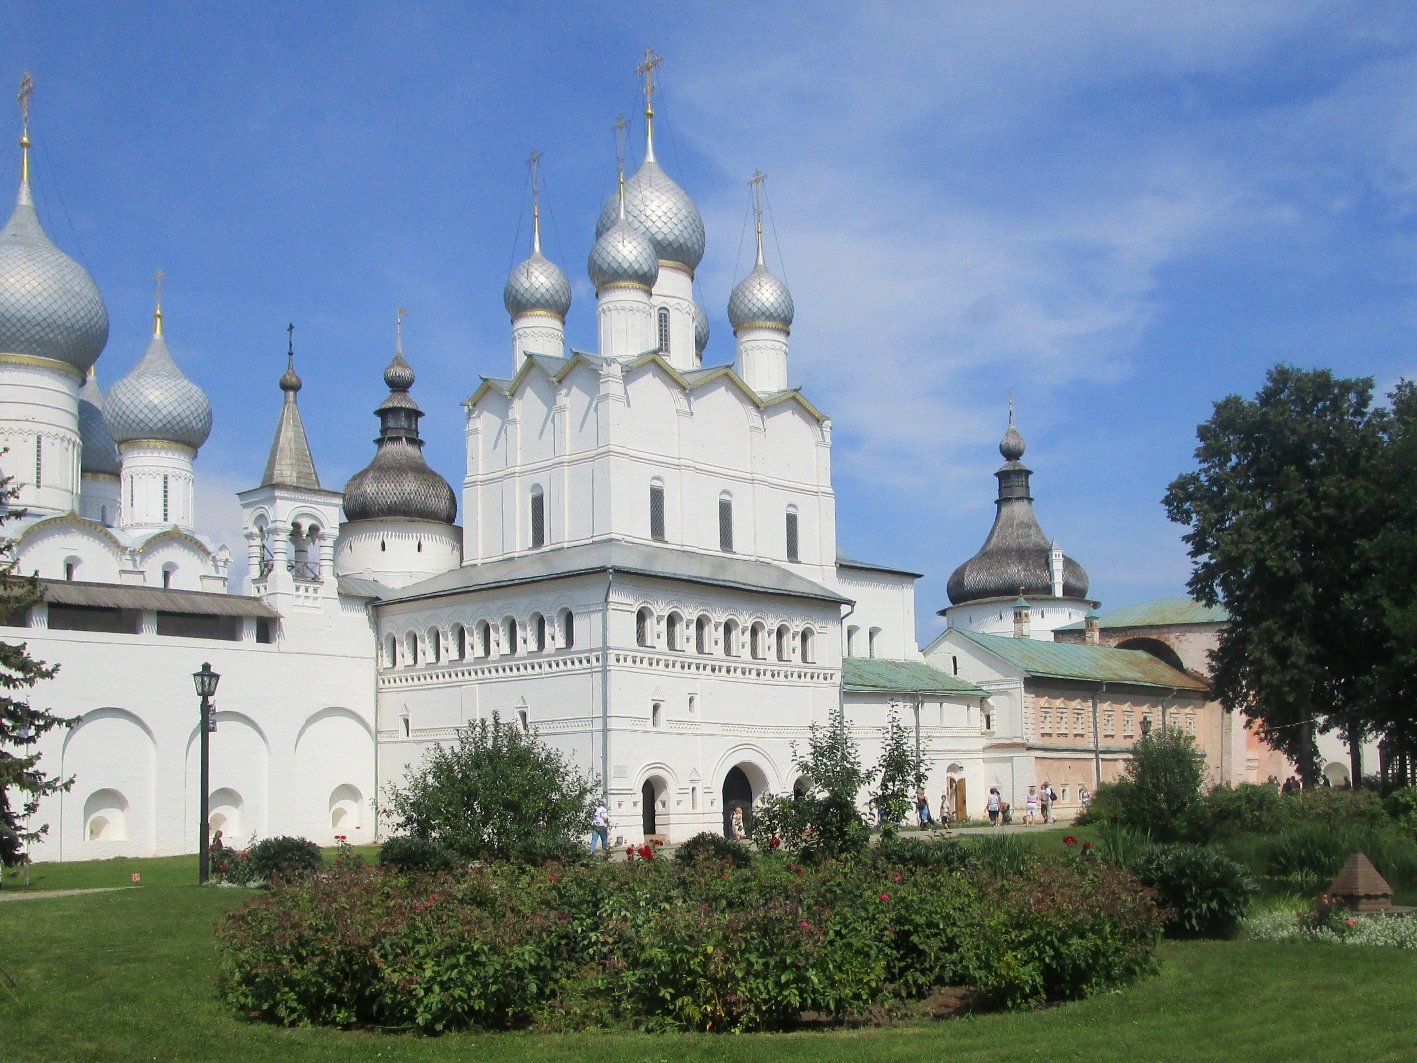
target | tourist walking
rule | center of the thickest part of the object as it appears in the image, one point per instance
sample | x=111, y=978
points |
x=600, y=830
x=1045, y=801
x=922, y=809
x=992, y=806
x=1030, y=805
x=1084, y=797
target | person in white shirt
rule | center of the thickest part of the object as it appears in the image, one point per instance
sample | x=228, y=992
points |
x=600, y=829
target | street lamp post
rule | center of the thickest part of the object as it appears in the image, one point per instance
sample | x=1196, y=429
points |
x=206, y=681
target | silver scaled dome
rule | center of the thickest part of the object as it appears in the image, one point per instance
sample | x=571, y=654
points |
x=398, y=484
x=760, y=299
x=701, y=330
x=98, y=451
x=622, y=255
x=156, y=401
x=49, y=305
x=537, y=284
x=663, y=211
x=1015, y=558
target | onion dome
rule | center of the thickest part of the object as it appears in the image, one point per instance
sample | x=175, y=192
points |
x=98, y=451
x=537, y=284
x=701, y=330
x=622, y=254
x=658, y=207
x=398, y=484
x=1015, y=558
x=156, y=401
x=760, y=300
x=49, y=305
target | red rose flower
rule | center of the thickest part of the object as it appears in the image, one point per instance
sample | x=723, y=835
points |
x=885, y=896
x=646, y=852
x=1070, y=840
x=550, y=878
x=1086, y=846
x=774, y=842
x=804, y=924
x=896, y=879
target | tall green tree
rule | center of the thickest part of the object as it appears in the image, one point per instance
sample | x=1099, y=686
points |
x=22, y=783
x=900, y=775
x=1388, y=601
x=1283, y=499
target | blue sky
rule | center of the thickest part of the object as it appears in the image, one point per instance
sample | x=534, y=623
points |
x=1118, y=212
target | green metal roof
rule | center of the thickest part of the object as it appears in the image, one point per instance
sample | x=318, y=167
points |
x=1094, y=664
x=1159, y=612
x=867, y=675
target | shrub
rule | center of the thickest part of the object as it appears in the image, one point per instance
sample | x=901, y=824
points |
x=1401, y=805
x=1004, y=855
x=657, y=944
x=1204, y=893
x=414, y=855
x=283, y=856
x=1122, y=846
x=1247, y=808
x=1311, y=854
x=1334, y=806
x=948, y=855
x=498, y=793
x=707, y=846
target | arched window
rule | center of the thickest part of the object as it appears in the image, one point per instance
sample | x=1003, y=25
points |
x=731, y=630
x=391, y=652
x=512, y=643
x=663, y=319
x=538, y=517
x=757, y=641
x=851, y=633
x=725, y=523
x=71, y=568
x=644, y=627
x=538, y=633
x=656, y=511
x=783, y=636
x=674, y=632
x=873, y=637
x=792, y=547
x=169, y=573
x=434, y=640
x=703, y=634
x=457, y=642
x=484, y=638
x=568, y=629
x=808, y=646
x=410, y=649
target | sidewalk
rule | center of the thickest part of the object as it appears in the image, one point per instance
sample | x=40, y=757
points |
x=30, y=895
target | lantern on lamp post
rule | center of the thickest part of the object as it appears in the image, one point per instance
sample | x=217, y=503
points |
x=206, y=681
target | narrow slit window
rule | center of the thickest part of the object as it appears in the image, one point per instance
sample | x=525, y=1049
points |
x=725, y=525
x=38, y=461
x=792, y=550
x=538, y=518
x=656, y=512
x=164, y=498
x=663, y=330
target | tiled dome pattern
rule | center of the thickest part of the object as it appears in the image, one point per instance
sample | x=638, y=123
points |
x=49, y=305
x=662, y=210
x=620, y=255
x=760, y=299
x=399, y=484
x=156, y=401
x=701, y=329
x=537, y=284
x=99, y=452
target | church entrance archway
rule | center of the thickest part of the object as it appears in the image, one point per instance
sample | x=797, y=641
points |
x=737, y=794
x=647, y=806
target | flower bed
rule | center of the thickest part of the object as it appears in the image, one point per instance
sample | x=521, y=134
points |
x=1329, y=923
x=660, y=944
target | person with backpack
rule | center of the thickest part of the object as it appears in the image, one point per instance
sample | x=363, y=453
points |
x=1045, y=802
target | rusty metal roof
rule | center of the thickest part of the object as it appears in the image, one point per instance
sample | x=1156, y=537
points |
x=152, y=599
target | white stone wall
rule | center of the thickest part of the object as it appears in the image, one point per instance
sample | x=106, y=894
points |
x=293, y=752
x=39, y=407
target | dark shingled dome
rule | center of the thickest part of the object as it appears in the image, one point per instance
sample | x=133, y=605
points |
x=1016, y=553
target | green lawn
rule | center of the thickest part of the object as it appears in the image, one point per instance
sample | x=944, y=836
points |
x=128, y=975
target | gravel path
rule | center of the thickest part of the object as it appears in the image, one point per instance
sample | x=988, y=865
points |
x=30, y=895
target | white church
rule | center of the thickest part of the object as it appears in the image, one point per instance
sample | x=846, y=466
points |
x=646, y=570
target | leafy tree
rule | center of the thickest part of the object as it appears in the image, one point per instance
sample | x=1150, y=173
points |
x=1278, y=510
x=823, y=819
x=1167, y=778
x=498, y=793
x=901, y=772
x=22, y=784
x=1387, y=604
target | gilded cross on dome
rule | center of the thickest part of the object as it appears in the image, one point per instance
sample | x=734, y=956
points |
x=646, y=70
x=26, y=91
x=157, y=302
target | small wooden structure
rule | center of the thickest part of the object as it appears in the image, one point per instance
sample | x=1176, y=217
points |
x=1360, y=887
